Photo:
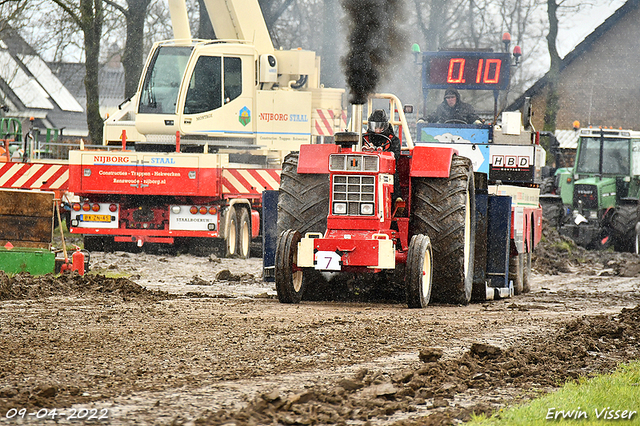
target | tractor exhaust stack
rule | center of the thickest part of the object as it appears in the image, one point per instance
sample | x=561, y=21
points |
x=356, y=123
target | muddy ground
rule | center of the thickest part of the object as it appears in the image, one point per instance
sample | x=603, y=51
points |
x=201, y=340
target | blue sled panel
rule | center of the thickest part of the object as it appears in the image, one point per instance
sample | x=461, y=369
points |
x=479, y=275
x=269, y=234
x=498, y=240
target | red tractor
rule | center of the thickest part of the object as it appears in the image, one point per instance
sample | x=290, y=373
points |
x=365, y=232
x=471, y=191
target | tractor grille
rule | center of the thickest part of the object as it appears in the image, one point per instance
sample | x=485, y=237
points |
x=588, y=194
x=353, y=163
x=353, y=195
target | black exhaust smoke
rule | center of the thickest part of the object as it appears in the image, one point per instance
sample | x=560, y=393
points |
x=375, y=44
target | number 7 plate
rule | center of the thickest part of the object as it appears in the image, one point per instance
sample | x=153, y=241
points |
x=328, y=261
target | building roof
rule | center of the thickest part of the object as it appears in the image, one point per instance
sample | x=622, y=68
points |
x=578, y=51
x=567, y=139
x=29, y=88
x=52, y=93
x=110, y=81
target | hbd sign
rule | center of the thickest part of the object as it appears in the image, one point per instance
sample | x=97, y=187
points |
x=510, y=161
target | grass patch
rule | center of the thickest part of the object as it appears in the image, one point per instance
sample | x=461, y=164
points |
x=563, y=246
x=595, y=401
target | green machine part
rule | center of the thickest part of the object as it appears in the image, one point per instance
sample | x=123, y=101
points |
x=33, y=260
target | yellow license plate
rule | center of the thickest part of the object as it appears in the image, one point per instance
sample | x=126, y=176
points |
x=96, y=218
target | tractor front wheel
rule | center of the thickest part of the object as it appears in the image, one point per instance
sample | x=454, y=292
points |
x=419, y=272
x=289, y=278
x=623, y=222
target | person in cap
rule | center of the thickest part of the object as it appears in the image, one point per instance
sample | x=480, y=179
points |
x=380, y=135
x=453, y=110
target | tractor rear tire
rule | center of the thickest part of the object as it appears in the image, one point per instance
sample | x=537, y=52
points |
x=289, y=279
x=552, y=212
x=445, y=210
x=303, y=202
x=419, y=272
x=623, y=223
x=548, y=185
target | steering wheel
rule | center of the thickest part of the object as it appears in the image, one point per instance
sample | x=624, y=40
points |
x=455, y=120
x=368, y=146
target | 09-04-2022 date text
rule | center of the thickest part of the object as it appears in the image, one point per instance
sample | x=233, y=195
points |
x=85, y=414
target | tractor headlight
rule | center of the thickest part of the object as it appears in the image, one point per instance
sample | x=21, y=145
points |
x=593, y=214
x=339, y=208
x=175, y=209
x=366, y=209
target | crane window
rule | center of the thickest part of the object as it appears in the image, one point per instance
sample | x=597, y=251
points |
x=232, y=79
x=162, y=80
x=205, y=86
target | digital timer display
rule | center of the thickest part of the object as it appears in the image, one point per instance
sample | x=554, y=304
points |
x=466, y=70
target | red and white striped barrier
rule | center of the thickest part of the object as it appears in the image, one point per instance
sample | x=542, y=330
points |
x=48, y=177
x=327, y=121
x=250, y=181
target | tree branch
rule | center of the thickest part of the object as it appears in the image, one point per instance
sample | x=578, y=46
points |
x=119, y=8
x=74, y=16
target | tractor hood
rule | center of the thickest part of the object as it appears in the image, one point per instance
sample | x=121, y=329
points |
x=595, y=193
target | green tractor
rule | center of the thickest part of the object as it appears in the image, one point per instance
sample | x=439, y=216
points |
x=595, y=203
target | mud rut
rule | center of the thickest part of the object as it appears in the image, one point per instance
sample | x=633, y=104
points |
x=206, y=342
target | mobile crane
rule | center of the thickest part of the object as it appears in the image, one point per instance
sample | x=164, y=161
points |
x=204, y=135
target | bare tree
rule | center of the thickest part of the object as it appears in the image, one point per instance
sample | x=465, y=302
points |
x=12, y=13
x=135, y=15
x=88, y=15
x=205, y=29
x=553, y=76
x=272, y=10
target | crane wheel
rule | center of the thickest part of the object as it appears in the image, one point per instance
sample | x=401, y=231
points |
x=289, y=278
x=231, y=237
x=243, y=234
x=419, y=272
x=445, y=210
x=98, y=243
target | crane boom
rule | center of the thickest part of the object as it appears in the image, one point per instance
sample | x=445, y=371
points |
x=179, y=20
x=240, y=20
